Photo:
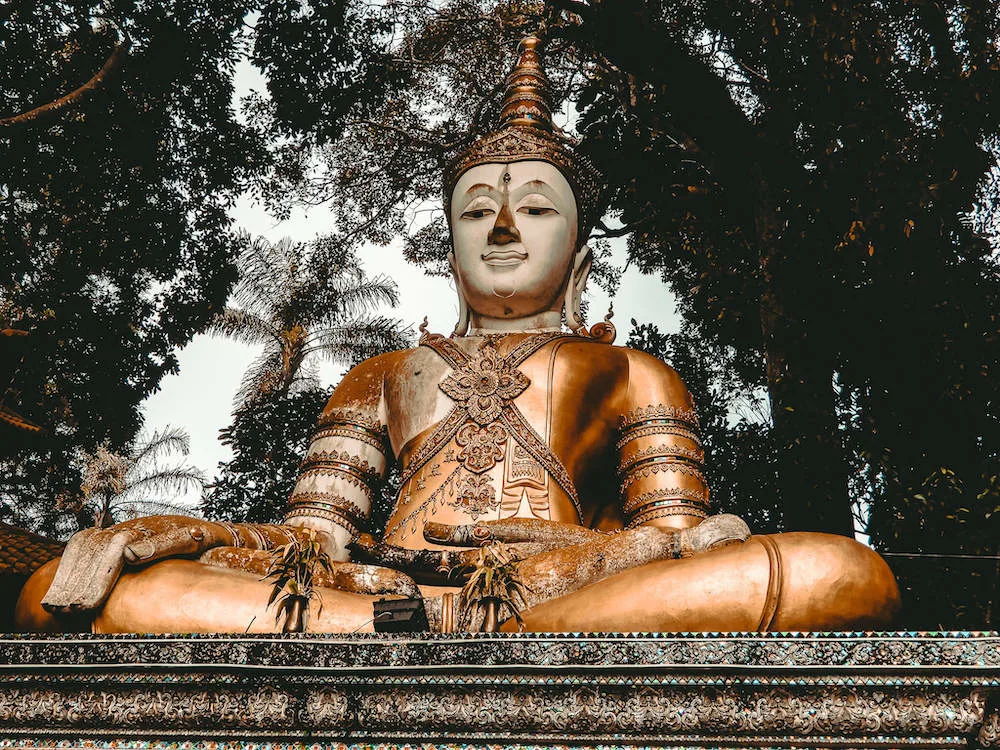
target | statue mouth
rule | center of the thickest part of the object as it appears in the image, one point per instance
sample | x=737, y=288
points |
x=504, y=257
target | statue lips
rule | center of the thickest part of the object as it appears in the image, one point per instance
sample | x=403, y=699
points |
x=505, y=257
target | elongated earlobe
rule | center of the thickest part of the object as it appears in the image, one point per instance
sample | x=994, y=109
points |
x=574, y=291
x=462, y=326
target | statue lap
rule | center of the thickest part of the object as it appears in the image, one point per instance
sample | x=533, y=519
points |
x=819, y=582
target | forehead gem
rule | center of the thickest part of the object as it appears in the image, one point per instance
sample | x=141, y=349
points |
x=506, y=178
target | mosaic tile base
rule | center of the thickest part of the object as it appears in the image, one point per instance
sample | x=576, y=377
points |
x=717, y=690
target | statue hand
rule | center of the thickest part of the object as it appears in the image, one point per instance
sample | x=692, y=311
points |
x=345, y=576
x=94, y=558
x=547, y=534
x=431, y=565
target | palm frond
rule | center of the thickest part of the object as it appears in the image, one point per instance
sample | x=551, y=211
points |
x=286, y=291
x=168, y=440
x=354, y=296
x=358, y=339
x=244, y=326
x=263, y=376
x=268, y=270
x=171, y=480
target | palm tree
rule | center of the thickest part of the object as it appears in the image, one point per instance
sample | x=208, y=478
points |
x=118, y=486
x=300, y=300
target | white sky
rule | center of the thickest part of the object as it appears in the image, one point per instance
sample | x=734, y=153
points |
x=199, y=398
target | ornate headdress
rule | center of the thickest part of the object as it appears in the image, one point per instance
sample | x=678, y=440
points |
x=525, y=132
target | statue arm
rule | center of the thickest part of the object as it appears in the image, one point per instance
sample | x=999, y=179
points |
x=346, y=460
x=660, y=455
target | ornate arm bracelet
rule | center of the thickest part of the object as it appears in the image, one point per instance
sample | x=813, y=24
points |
x=354, y=425
x=355, y=469
x=656, y=453
x=659, y=466
x=262, y=536
x=330, y=506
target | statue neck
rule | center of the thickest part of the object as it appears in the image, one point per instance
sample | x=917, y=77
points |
x=481, y=325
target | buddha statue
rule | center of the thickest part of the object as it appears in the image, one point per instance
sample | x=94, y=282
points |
x=581, y=457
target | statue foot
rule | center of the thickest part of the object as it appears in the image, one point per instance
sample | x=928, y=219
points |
x=712, y=533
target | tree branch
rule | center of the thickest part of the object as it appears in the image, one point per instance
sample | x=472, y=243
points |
x=697, y=99
x=40, y=115
x=575, y=7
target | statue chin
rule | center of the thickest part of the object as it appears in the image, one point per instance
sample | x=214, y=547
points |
x=570, y=468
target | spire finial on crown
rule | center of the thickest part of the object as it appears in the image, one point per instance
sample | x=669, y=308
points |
x=526, y=100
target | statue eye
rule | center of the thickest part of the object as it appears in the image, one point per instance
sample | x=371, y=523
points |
x=536, y=210
x=478, y=213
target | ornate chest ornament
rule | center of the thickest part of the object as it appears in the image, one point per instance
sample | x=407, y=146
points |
x=483, y=421
x=484, y=384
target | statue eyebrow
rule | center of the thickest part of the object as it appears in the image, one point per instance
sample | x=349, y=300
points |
x=534, y=185
x=480, y=187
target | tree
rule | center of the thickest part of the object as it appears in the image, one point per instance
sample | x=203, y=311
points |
x=117, y=486
x=811, y=180
x=300, y=302
x=825, y=180
x=268, y=442
x=114, y=233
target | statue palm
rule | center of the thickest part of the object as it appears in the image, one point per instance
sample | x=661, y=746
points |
x=301, y=301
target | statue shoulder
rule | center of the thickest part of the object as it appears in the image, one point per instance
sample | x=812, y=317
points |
x=652, y=382
x=362, y=386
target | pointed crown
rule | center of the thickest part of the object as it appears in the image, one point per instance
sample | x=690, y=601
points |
x=526, y=132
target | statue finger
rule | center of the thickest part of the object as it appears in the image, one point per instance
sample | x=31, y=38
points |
x=373, y=580
x=169, y=536
x=511, y=530
x=424, y=565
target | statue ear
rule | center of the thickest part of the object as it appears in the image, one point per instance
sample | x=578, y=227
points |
x=462, y=326
x=582, y=262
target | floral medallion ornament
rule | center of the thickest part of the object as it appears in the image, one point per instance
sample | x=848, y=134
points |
x=476, y=495
x=481, y=447
x=484, y=384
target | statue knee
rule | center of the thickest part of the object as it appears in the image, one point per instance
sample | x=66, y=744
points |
x=31, y=617
x=832, y=582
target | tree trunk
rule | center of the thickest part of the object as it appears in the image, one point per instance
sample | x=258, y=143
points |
x=812, y=470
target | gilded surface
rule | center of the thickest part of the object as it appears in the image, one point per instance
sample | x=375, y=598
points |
x=518, y=426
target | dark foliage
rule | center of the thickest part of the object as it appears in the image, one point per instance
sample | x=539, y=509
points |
x=268, y=441
x=114, y=235
x=814, y=181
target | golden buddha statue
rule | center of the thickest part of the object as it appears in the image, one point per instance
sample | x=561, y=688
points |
x=582, y=457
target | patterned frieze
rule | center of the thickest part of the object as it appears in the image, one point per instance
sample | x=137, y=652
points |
x=701, y=690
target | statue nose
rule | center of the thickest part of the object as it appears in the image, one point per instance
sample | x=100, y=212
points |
x=503, y=232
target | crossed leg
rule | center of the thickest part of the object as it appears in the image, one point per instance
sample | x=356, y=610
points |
x=797, y=581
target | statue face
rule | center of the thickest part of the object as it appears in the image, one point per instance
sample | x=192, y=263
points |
x=514, y=228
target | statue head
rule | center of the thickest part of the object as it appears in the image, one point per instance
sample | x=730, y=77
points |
x=520, y=203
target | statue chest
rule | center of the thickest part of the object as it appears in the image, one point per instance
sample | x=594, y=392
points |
x=489, y=435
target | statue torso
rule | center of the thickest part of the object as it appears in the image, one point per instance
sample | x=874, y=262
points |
x=482, y=431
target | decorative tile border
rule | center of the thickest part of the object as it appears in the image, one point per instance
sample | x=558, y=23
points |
x=700, y=690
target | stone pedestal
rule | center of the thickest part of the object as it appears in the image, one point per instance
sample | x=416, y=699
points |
x=711, y=690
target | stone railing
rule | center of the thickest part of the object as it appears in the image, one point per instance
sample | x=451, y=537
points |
x=711, y=690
